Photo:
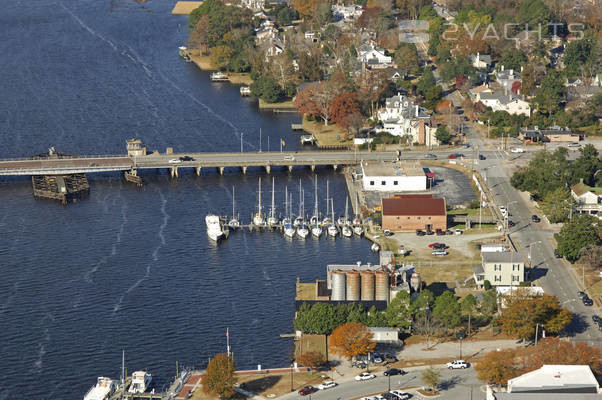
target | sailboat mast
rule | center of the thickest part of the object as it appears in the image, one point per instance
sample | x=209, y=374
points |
x=346, y=208
x=259, y=204
x=332, y=208
x=123, y=367
x=233, y=203
x=327, y=197
x=300, y=200
x=316, y=197
x=286, y=201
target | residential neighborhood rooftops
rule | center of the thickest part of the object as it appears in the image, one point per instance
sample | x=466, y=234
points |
x=503, y=257
x=380, y=168
x=413, y=204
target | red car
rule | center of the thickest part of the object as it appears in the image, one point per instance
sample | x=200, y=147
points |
x=304, y=391
x=452, y=156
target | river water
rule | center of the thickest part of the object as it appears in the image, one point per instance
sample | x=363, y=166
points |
x=132, y=268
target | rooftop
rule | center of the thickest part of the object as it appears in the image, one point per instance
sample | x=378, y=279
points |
x=549, y=377
x=380, y=168
x=546, y=396
x=503, y=257
x=581, y=188
x=413, y=204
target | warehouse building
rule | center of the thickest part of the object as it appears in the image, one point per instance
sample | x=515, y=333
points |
x=414, y=211
x=393, y=177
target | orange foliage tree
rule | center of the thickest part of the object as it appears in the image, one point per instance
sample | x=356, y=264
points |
x=523, y=312
x=553, y=350
x=342, y=106
x=351, y=339
x=498, y=366
x=219, y=379
x=311, y=359
x=315, y=100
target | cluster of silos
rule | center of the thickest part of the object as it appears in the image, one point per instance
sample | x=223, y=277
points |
x=355, y=285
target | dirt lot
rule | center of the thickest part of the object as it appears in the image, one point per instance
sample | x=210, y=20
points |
x=279, y=384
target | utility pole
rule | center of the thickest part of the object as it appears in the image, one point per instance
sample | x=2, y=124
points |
x=241, y=139
x=488, y=119
x=260, y=140
x=536, y=333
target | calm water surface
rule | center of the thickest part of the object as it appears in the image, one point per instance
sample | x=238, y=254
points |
x=132, y=268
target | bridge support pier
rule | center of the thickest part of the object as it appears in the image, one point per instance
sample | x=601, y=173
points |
x=221, y=170
x=313, y=168
x=335, y=166
x=198, y=171
x=268, y=169
x=174, y=172
x=132, y=176
x=290, y=168
x=244, y=170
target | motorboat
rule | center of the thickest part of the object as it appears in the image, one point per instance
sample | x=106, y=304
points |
x=102, y=390
x=140, y=382
x=214, y=227
x=375, y=247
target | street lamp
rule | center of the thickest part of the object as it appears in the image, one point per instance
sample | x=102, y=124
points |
x=389, y=376
x=292, y=364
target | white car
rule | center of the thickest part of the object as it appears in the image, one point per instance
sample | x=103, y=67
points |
x=458, y=231
x=517, y=150
x=365, y=376
x=457, y=364
x=289, y=158
x=401, y=395
x=574, y=144
x=327, y=385
x=174, y=161
x=439, y=253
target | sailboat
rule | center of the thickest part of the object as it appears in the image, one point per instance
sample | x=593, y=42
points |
x=326, y=220
x=258, y=220
x=234, y=223
x=346, y=229
x=302, y=230
x=289, y=229
x=332, y=229
x=299, y=220
x=316, y=229
x=272, y=220
x=357, y=224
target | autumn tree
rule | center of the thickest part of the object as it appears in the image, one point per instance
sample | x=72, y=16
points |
x=523, y=311
x=311, y=359
x=315, y=100
x=556, y=351
x=351, y=339
x=219, y=379
x=306, y=8
x=342, y=106
x=221, y=57
x=198, y=37
x=498, y=366
x=406, y=57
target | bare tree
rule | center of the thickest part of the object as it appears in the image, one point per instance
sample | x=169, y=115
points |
x=426, y=325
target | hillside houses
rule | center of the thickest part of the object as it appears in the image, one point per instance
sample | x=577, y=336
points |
x=480, y=61
x=347, y=13
x=507, y=77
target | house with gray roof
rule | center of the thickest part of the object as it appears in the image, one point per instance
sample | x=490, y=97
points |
x=500, y=269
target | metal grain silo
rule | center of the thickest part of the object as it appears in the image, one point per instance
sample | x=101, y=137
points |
x=367, y=285
x=382, y=286
x=338, y=286
x=415, y=281
x=353, y=285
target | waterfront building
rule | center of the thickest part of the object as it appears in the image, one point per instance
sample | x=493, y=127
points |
x=383, y=176
x=410, y=212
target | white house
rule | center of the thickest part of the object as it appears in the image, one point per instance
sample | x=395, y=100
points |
x=495, y=248
x=393, y=177
x=513, y=104
x=373, y=56
x=401, y=116
x=480, y=61
x=598, y=80
x=385, y=335
x=255, y=5
x=506, y=78
x=589, y=200
x=500, y=269
x=351, y=12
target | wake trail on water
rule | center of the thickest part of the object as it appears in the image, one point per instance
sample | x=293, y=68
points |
x=155, y=254
x=37, y=365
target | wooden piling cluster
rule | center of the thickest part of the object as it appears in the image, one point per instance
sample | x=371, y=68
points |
x=64, y=188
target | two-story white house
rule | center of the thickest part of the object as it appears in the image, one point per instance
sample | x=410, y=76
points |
x=588, y=199
x=401, y=117
x=500, y=269
x=373, y=56
x=480, y=61
x=511, y=103
x=341, y=12
x=507, y=77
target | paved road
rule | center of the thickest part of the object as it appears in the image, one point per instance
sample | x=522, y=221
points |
x=455, y=384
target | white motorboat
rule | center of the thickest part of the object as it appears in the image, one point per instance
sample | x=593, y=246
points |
x=102, y=390
x=358, y=230
x=346, y=231
x=214, y=227
x=258, y=219
x=302, y=231
x=140, y=382
x=375, y=247
x=234, y=223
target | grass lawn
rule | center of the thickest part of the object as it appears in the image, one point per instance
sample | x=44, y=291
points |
x=331, y=135
x=279, y=384
x=447, y=273
x=283, y=105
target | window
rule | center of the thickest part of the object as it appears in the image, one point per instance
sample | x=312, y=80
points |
x=497, y=278
x=383, y=183
x=497, y=267
x=418, y=217
x=515, y=267
x=408, y=217
x=371, y=183
x=515, y=278
x=395, y=183
x=429, y=217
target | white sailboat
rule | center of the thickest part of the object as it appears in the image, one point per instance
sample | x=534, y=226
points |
x=375, y=247
x=272, y=220
x=302, y=230
x=326, y=221
x=332, y=229
x=288, y=228
x=316, y=229
x=102, y=390
x=214, y=227
x=357, y=224
x=346, y=229
x=140, y=382
x=258, y=220
x=234, y=223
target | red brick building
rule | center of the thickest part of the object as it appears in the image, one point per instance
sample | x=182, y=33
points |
x=409, y=212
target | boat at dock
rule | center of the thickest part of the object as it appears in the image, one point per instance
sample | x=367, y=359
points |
x=214, y=227
x=332, y=230
x=314, y=221
x=272, y=220
x=358, y=230
x=102, y=390
x=346, y=228
x=288, y=228
x=258, y=219
x=219, y=77
x=141, y=380
x=234, y=223
x=375, y=247
x=245, y=91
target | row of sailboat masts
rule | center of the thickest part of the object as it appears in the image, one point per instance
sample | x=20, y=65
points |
x=258, y=219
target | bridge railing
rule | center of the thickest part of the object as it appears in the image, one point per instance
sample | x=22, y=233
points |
x=53, y=159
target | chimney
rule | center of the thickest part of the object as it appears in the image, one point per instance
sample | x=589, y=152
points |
x=502, y=68
x=417, y=111
x=359, y=263
x=521, y=68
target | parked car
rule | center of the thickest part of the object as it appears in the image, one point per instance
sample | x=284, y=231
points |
x=557, y=255
x=449, y=232
x=587, y=301
x=430, y=232
x=574, y=144
x=457, y=364
x=535, y=218
x=376, y=358
x=364, y=376
x=582, y=295
x=304, y=391
x=186, y=158
x=452, y=156
x=596, y=319
x=430, y=156
x=482, y=157
x=401, y=395
x=389, y=357
x=387, y=232
x=511, y=224
x=439, y=253
x=440, y=232
x=174, y=161
x=327, y=385
x=437, y=245
x=458, y=231
x=517, y=150
x=394, y=371
x=359, y=364
x=420, y=233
